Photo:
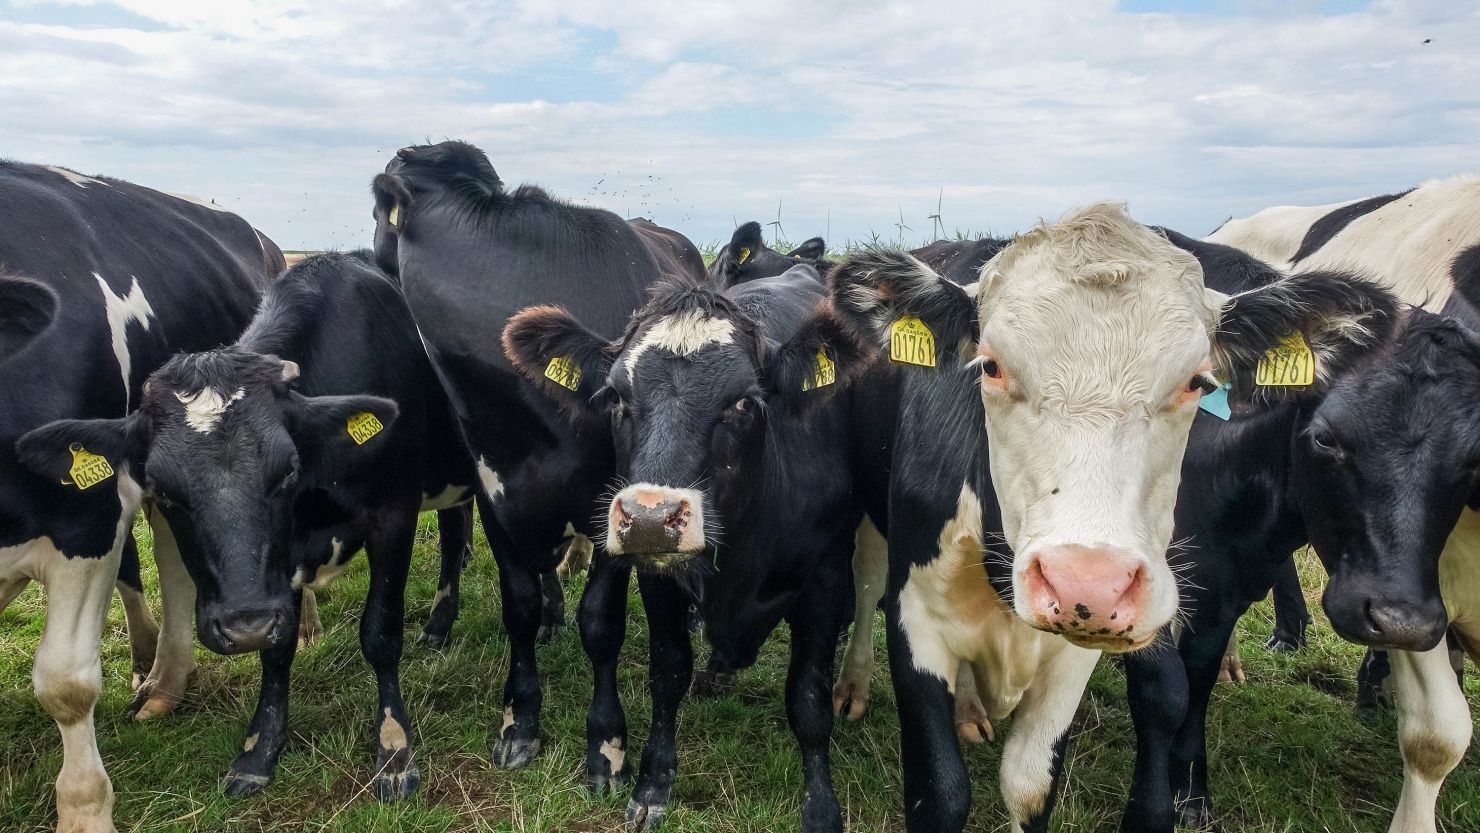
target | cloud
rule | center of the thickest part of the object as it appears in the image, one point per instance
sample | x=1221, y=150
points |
x=701, y=114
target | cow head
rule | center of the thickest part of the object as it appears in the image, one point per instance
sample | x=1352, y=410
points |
x=747, y=257
x=27, y=309
x=413, y=176
x=689, y=391
x=1092, y=341
x=1382, y=470
x=230, y=453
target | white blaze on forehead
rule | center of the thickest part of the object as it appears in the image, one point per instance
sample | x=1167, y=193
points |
x=120, y=310
x=73, y=177
x=684, y=333
x=203, y=408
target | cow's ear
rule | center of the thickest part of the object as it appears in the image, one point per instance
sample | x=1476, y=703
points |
x=818, y=361
x=27, y=308
x=334, y=435
x=744, y=244
x=566, y=361
x=810, y=250
x=83, y=453
x=896, y=303
x=1291, y=337
x=392, y=202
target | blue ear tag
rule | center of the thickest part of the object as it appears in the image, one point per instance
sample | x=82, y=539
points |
x=1216, y=403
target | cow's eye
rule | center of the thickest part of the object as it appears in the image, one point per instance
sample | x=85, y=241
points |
x=991, y=369
x=1323, y=439
x=742, y=404
x=1203, y=382
x=288, y=481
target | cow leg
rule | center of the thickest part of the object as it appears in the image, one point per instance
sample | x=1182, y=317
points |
x=1156, y=688
x=310, y=626
x=455, y=540
x=1033, y=755
x=519, y=736
x=68, y=677
x=870, y=574
x=552, y=609
x=1202, y=651
x=389, y=550
x=972, y=725
x=143, y=630
x=937, y=793
x=164, y=687
x=816, y=623
x=716, y=680
x=1372, y=679
x=267, y=734
x=1434, y=728
x=671, y=667
x=1291, y=616
x=603, y=623
x=1231, y=669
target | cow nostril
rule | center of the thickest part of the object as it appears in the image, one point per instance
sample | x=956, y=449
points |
x=679, y=517
x=1372, y=620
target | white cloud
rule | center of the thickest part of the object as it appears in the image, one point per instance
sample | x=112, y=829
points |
x=704, y=113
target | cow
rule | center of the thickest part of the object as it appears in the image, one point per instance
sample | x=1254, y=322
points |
x=470, y=253
x=101, y=281
x=747, y=257
x=733, y=449
x=1036, y=453
x=321, y=431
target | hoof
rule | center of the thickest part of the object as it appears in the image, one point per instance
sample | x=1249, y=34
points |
x=238, y=784
x=641, y=817
x=514, y=753
x=548, y=633
x=1369, y=712
x=1197, y=815
x=148, y=704
x=394, y=786
x=434, y=640
x=976, y=732
x=850, y=699
x=1284, y=644
x=605, y=783
x=1231, y=670
x=713, y=683
x=94, y=824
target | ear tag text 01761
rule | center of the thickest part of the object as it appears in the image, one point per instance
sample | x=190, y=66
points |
x=911, y=342
x=563, y=371
x=363, y=426
x=824, y=373
x=88, y=469
x=1290, y=363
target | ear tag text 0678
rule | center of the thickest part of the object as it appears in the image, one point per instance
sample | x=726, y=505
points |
x=395, y=217
x=88, y=469
x=363, y=426
x=1290, y=363
x=824, y=373
x=911, y=342
x=563, y=371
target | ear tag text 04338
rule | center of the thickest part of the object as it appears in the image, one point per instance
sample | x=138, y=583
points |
x=824, y=373
x=911, y=342
x=1290, y=363
x=88, y=469
x=363, y=426
x=563, y=371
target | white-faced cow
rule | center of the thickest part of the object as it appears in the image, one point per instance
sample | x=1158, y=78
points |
x=100, y=282
x=470, y=253
x=321, y=431
x=747, y=257
x=1036, y=453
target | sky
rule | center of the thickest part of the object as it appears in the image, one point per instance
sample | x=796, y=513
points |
x=854, y=120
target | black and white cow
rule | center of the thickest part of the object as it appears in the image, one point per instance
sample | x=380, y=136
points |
x=1036, y=453
x=470, y=254
x=322, y=430
x=721, y=405
x=747, y=257
x=100, y=281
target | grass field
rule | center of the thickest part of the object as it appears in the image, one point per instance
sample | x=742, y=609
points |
x=1286, y=751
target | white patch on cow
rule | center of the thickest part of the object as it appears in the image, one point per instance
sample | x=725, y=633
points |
x=870, y=577
x=205, y=407
x=684, y=334
x=508, y=719
x=616, y=756
x=450, y=496
x=392, y=733
x=120, y=311
x=174, y=658
x=1410, y=243
x=251, y=742
x=1434, y=730
x=493, y=485
x=203, y=202
x=73, y=177
x=324, y=574
x=1274, y=234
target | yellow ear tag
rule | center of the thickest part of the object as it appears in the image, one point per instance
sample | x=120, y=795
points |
x=825, y=373
x=88, y=469
x=363, y=426
x=395, y=214
x=744, y=253
x=563, y=371
x=911, y=342
x=1287, y=364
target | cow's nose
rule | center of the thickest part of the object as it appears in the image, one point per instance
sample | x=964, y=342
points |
x=1404, y=626
x=1087, y=593
x=650, y=520
x=250, y=629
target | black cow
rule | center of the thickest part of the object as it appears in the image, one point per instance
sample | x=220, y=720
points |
x=470, y=254
x=954, y=570
x=100, y=281
x=747, y=257
x=707, y=396
x=321, y=431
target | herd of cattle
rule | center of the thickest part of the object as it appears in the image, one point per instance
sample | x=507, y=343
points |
x=1095, y=436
